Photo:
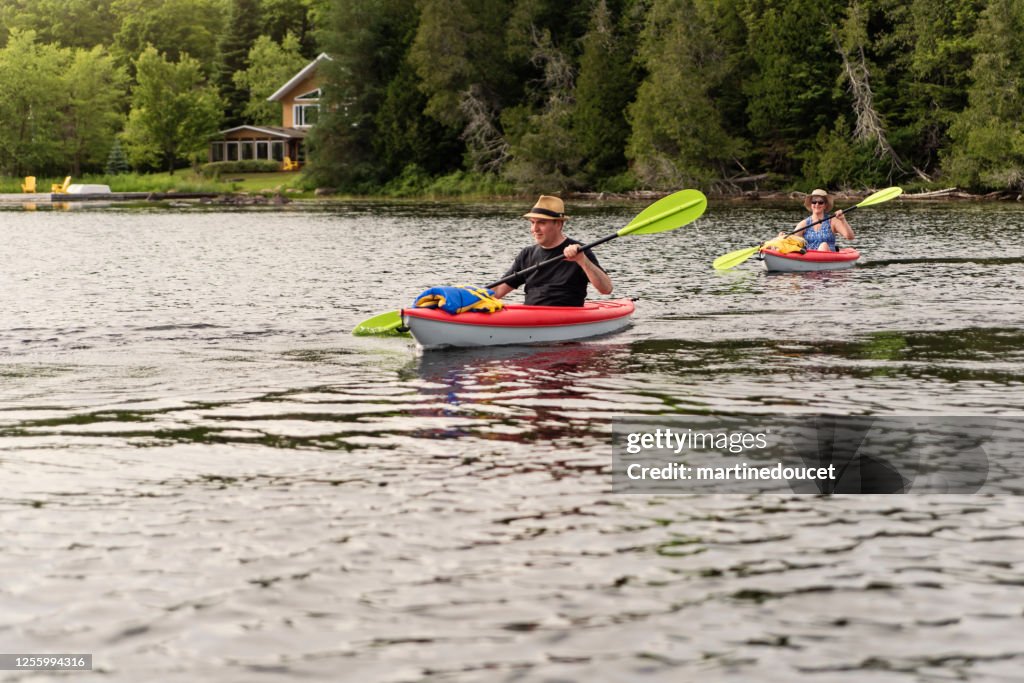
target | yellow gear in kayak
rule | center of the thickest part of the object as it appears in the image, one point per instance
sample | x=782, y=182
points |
x=460, y=299
x=786, y=245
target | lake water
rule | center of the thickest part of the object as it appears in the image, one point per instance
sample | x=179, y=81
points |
x=206, y=478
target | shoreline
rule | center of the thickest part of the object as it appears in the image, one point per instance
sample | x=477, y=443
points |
x=946, y=194
x=279, y=199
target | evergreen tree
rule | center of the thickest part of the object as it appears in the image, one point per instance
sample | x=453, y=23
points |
x=679, y=136
x=936, y=38
x=117, y=161
x=367, y=40
x=543, y=154
x=295, y=17
x=791, y=92
x=604, y=88
x=987, y=149
x=242, y=30
x=406, y=136
x=460, y=57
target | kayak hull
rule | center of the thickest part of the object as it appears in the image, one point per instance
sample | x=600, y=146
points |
x=514, y=324
x=811, y=262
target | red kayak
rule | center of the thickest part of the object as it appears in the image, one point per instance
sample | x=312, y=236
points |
x=812, y=261
x=515, y=324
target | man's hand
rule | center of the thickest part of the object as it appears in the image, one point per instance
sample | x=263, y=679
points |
x=573, y=253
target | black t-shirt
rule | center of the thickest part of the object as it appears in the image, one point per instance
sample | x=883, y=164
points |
x=559, y=284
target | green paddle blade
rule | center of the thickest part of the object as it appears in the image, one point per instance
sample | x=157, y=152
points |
x=734, y=258
x=383, y=325
x=882, y=196
x=668, y=213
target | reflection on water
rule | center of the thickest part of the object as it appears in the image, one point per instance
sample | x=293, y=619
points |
x=207, y=478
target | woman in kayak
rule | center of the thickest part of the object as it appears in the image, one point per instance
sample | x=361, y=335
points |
x=559, y=284
x=822, y=237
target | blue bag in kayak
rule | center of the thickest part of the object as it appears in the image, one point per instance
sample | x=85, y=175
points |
x=459, y=299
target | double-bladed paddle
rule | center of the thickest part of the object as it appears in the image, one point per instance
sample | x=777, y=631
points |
x=668, y=213
x=734, y=258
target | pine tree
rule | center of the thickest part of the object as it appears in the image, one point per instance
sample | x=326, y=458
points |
x=459, y=52
x=679, y=133
x=791, y=92
x=367, y=40
x=604, y=88
x=117, y=161
x=987, y=149
x=243, y=28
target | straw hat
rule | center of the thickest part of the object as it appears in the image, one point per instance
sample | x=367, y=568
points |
x=547, y=208
x=818, y=193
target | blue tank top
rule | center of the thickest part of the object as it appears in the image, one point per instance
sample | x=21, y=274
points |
x=818, y=234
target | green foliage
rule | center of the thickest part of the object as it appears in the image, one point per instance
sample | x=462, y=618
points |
x=679, y=136
x=790, y=90
x=242, y=30
x=415, y=182
x=367, y=40
x=837, y=161
x=61, y=106
x=174, y=112
x=544, y=156
x=92, y=113
x=604, y=88
x=70, y=23
x=270, y=66
x=987, y=137
x=296, y=17
x=922, y=50
x=405, y=135
x=459, y=44
x=30, y=85
x=117, y=160
x=542, y=152
x=216, y=169
x=539, y=94
x=174, y=27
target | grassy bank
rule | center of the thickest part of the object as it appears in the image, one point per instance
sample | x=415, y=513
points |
x=181, y=181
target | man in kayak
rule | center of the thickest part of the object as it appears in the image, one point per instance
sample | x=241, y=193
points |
x=559, y=284
x=822, y=237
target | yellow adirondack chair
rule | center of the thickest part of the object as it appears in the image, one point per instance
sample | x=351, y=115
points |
x=61, y=189
x=289, y=165
x=29, y=185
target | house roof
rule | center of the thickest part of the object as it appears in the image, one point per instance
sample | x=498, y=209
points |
x=297, y=78
x=274, y=131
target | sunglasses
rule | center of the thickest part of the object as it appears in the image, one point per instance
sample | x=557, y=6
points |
x=817, y=201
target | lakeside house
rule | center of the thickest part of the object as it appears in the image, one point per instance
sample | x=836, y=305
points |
x=300, y=105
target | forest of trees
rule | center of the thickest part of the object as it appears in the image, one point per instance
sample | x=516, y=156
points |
x=725, y=95
x=148, y=81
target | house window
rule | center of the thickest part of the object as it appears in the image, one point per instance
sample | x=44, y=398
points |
x=277, y=151
x=232, y=151
x=247, y=150
x=262, y=150
x=217, y=151
x=306, y=115
x=311, y=96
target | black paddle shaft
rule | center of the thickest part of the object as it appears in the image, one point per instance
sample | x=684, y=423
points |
x=831, y=215
x=556, y=259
